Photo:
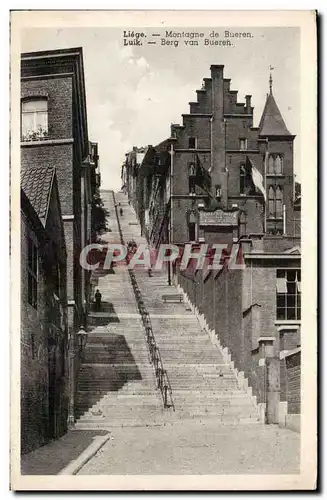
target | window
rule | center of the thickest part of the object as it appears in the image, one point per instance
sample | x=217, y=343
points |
x=191, y=185
x=191, y=178
x=191, y=170
x=275, y=210
x=275, y=164
x=247, y=187
x=242, y=179
x=34, y=119
x=191, y=231
x=192, y=227
x=243, y=144
x=218, y=191
x=288, y=294
x=32, y=273
x=242, y=222
x=192, y=142
x=275, y=202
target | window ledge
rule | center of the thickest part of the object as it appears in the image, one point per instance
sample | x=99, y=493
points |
x=288, y=322
x=46, y=142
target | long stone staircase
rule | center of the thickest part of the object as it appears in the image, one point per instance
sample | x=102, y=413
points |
x=117, y=385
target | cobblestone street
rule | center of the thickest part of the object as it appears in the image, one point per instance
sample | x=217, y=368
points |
x=195, y=448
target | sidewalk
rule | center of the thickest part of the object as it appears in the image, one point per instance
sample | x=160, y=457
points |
x=52, y=458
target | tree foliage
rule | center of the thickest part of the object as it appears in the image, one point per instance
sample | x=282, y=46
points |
x=99, y=216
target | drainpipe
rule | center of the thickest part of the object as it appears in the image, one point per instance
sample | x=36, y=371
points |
x=284, y=219
x=71, y=368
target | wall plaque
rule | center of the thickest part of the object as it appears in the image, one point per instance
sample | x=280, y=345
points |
x=218, y=218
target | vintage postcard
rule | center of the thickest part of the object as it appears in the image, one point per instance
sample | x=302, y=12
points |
x=163, y=190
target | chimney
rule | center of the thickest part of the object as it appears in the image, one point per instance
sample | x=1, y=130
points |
x=248, y=104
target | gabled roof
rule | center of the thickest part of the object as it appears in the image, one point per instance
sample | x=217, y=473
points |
x=272, y=122
x=36, y=183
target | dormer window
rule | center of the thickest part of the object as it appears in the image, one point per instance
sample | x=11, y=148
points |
x=243, y=144
x=34, y=124
x=192, y=142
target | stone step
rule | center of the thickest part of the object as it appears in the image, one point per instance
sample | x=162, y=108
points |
x=109, y=424
x=104, y=357
x=165, y=420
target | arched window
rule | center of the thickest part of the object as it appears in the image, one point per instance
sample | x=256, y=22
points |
x=275, y=210
x=275, y=202
x=191, y=169
x=271, y=202
x=275, y=164
x=279, y=202
x=278, y=165
x=191, y=178
x=271, y=165
x=34, y=126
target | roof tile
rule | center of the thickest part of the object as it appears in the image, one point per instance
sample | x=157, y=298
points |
x=36, y=183
x=272, y=122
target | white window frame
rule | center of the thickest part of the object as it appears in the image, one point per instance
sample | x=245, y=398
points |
x=34, y=113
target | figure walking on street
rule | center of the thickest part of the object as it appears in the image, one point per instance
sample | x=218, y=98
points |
x=121, y=211
x=97, y=297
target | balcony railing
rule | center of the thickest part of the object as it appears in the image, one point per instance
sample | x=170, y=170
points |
x=163, y=382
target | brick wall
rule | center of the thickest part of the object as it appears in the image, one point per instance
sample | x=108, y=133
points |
x=66, y=158
x=59, y=93
x=34, y=358
x=291, y=382
x=44, y=398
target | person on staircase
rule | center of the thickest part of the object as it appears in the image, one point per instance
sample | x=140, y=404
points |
x=98, y=298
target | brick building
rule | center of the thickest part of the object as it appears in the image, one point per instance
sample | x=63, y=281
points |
x=219, y=178
x=218, y=134
x=54, y=135
x=44, y=389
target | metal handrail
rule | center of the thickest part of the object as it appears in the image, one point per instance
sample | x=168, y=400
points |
x=163, y=382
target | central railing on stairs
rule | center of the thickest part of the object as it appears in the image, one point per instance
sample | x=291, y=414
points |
x=163, y=382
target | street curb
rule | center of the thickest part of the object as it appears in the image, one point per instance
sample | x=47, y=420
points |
x=73, y=467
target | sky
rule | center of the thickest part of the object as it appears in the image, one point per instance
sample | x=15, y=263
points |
x=134, y=93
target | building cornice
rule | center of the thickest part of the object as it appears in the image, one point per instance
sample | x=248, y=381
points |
x=186, y=150
x=271, y=256
x=238, y=115
x=189, y=196
x=48, y=76
x=273, y=138
x=198, y=115
x=242, y=151
x=47, y=142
